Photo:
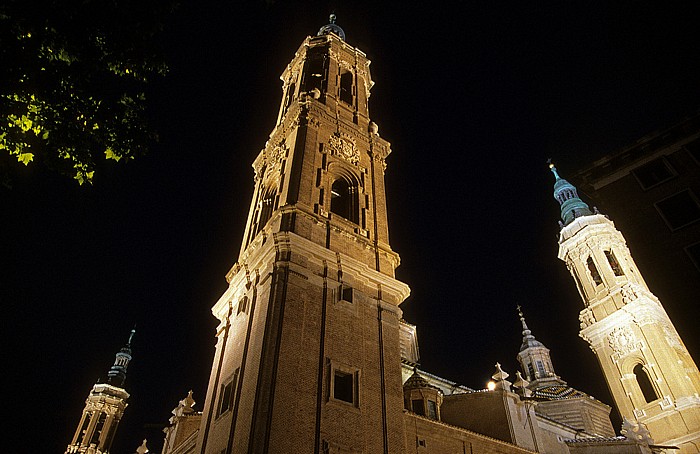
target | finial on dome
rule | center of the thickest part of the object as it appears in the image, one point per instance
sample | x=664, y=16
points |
x=331, y=27
x=526, y=330
x=553, y=169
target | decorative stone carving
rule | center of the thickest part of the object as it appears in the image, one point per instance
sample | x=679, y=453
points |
x=345, y=148
x=586, y=318
x=629, y=293
x=275, y=157
x=622, y=340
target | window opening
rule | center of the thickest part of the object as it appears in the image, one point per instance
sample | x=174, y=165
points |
x=694, y=149
x=346, y=87
x=226, y=394
x=242, y=305
x=614, y=264
x=83, y=428
x=315, y=73
x=644, y=383
x=344, y=200
x=694, y=252
x=346, y=293
x=432, y=409
x=289, y=97
x=654, y=173
x=530, y=371
x=679, y=210
x=595, y=275
x=343, y=386
x=418, y=406
x=540, y=368
x=98, y=429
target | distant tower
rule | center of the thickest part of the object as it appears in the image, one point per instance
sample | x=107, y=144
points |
x=534, y=359
x=651, y=376
x=104, y=408
x=308, y=355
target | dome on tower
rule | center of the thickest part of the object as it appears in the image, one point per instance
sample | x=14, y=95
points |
x=331, y=27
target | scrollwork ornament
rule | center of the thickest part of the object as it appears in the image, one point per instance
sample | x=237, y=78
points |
x=344, y=148
x=622, y=340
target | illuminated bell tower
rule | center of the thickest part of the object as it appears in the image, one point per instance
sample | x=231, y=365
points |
x=651, y=376
x=307, y=355
x=104, y=409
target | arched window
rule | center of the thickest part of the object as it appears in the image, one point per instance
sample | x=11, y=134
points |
x=614, y=264
x=595, y=275
x=645, y=383
x=344, y=200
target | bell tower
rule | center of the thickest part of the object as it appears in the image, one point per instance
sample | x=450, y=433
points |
x=649, y=371
x=104, y=409
x=307, y=352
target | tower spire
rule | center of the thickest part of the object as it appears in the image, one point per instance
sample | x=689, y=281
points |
x=565, y=193
x=117, y=373
x=529, y=340
x=534, y=357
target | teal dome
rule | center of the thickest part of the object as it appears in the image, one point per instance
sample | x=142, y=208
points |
x=565, y=193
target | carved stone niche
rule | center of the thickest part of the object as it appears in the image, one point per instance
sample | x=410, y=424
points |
x=344, y=147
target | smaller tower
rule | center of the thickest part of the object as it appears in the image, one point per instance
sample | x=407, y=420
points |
x=534, y=358
x=649, y=371
x=104, y=408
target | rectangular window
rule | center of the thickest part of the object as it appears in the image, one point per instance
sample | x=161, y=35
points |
x=694, y=252
x=679, y=210
x=432, y=409
x=595, y=275
x=343, y=387
x=418, y=406
x=226, y=395
x=540, y=368
x=242, y=305
x=346, y=293
x=346, y=87
x=694, y=149
x=344, y=384
x=654, y=173
x=614, y=264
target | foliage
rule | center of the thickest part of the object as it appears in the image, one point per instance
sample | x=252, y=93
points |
x=72, y=81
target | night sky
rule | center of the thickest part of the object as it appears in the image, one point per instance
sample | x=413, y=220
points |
x=473, y=97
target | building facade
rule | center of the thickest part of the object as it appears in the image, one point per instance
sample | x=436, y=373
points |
x=652, y=377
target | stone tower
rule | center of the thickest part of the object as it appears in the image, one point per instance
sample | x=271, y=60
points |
x=651, y=376
x=307, y=352
x=104, y=408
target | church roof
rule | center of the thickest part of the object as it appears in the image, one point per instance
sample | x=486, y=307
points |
x=557, y=392
x=416, y=381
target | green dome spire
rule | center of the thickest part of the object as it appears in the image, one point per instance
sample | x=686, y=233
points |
x=565, y=193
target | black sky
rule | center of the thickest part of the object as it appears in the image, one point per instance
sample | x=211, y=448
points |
x=474, y=97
